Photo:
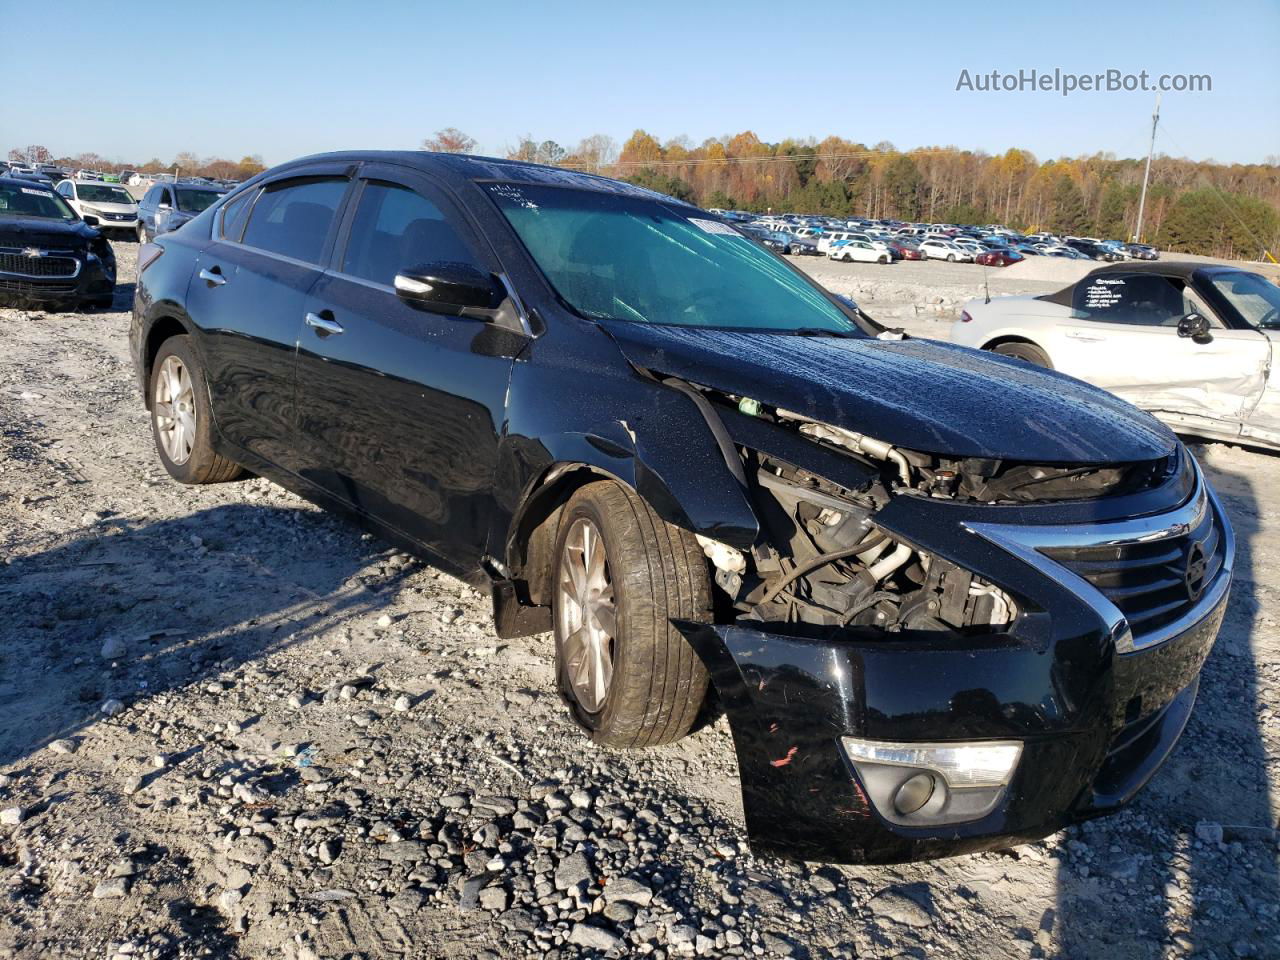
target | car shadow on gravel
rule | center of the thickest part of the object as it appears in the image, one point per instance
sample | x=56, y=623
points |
x=130, y=610
x=1190, y=867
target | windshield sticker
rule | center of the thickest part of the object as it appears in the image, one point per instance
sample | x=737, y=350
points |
x=714, y=226
x=37, y=193
x=512, y=194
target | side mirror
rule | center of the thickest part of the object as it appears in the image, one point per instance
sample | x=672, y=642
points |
x=90, y=220
x=1196, y=327
x=164, y=206
x=449, y=287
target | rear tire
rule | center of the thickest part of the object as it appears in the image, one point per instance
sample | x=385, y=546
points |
x=1027, y=352
x=649, y=574
x=182, y=419
x=142, y=234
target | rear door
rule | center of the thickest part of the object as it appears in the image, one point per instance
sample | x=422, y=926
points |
x=401, y=408
x=249, y=297
x=1123, y=336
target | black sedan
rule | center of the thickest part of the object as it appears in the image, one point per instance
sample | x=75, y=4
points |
x=660, y=442
x=49, y=257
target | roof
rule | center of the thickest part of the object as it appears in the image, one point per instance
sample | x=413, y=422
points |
x=1185, y=270
x=460, y=168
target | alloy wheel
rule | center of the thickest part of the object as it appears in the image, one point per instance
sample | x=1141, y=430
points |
x=174, y=408
x=587, y=615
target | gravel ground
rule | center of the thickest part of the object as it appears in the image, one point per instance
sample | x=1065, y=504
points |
x=235, y=727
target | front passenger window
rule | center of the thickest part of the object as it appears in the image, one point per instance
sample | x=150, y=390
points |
x=394, y=228
x=1143, y=299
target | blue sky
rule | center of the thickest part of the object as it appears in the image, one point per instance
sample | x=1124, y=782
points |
x=285, y=79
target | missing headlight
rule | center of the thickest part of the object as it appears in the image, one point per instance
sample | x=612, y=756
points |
x=832, y=565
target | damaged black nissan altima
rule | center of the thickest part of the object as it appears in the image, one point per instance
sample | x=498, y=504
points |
x=947, y=600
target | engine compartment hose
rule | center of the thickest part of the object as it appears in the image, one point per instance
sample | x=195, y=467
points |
x=882, y=568
x=862, y=546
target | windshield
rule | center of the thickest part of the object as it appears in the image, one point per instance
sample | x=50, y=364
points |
x=639, y=259
x=197, y=201
x=1257, y=298
x=30, y=200
x=101, y=193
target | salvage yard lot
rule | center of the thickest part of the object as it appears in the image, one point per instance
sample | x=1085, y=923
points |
x=234, y=726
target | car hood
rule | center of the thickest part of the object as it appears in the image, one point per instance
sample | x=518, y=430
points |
x=39, y=232
x=918, y=394
x=107, y=207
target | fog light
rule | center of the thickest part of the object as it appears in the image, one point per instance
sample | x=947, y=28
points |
x=913, y=794
x=922, y=784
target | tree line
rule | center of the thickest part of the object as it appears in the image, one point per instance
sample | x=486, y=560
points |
x=185, y=164
x=1225, y=210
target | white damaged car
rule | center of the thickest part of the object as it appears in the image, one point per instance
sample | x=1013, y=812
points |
x=1192, y=343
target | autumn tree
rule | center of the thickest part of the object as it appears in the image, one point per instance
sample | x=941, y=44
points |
x=449, y=140
x=640, y=149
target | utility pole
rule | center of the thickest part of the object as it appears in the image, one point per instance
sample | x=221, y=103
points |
x=1146, y=174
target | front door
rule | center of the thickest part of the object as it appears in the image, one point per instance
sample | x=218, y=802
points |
x=402, y=408
x=1123, y=336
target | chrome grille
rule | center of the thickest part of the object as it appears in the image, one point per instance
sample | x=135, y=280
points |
x=1153, y=583
x=18, y=264
x=1151, y=578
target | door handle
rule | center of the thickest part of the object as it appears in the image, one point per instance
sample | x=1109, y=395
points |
x=213, y=276
x=1088, y=338
x=322, y=325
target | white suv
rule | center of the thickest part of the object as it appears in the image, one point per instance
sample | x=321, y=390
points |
x=112, y=205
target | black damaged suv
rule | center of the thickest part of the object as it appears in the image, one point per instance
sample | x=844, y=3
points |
x=948, y=600
x=50, y=257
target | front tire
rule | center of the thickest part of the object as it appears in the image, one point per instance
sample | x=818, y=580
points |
x=621, y=575
x=1027, y=352
x=951, y=258
x=182, y=419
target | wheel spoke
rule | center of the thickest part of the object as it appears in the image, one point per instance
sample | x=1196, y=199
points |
x=603, y=612
x=601, y=671
x=577, y=576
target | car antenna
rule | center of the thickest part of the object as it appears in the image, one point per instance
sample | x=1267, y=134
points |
x=986, y=287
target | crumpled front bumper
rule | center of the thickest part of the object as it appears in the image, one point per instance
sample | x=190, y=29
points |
x=789, y=700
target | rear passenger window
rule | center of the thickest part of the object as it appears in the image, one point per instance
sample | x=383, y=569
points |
x=293, y=219
x=394, y=228
x=234, y=214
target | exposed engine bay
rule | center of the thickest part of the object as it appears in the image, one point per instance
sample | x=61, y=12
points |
x=822, y=559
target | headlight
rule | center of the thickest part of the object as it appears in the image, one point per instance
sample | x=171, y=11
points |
x=925, y=784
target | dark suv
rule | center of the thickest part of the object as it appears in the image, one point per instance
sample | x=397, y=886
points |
x=167, y=206
x=948, y=600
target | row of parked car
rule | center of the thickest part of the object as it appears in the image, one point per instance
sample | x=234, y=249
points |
x=884, y=241
x=54, y=173
x=53, y=239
